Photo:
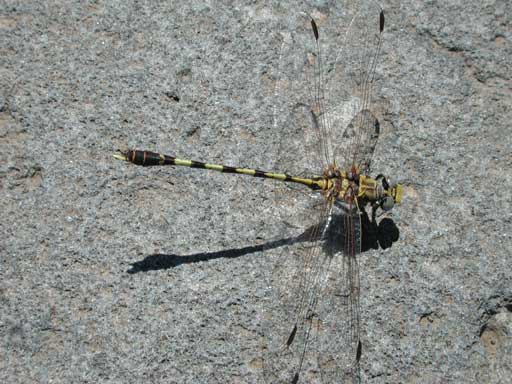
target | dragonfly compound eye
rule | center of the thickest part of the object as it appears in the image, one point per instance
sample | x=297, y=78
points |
x=387, y=203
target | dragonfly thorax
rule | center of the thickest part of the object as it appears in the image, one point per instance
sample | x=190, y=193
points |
x=341, y=185
x=355, y=190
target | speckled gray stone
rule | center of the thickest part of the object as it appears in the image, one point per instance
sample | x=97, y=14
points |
x=112, y=273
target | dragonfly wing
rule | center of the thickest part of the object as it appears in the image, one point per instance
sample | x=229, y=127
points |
x=311, y=325
x=355, y=68
x=350, y=288
x=291, y=323
x=303, y=143
x=340, y=311
x=323, y=89
x=363, y=128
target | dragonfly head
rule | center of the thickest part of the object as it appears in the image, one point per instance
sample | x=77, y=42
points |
x=392, y=194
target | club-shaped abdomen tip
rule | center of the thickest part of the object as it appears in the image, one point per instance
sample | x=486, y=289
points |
x=120, y=155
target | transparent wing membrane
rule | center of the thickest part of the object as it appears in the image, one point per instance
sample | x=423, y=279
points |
x=312, y=324
x=323, y=87
x=324, y=83
x=354, y=67
x=296, y=280
x=364, y=128
x=301, y=149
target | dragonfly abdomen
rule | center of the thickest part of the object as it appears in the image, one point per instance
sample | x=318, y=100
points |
x=148, y=158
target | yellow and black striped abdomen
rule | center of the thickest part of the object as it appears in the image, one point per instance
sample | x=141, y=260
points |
x=147, y=158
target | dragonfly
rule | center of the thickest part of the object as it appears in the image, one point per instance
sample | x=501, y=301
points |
x=316, y=288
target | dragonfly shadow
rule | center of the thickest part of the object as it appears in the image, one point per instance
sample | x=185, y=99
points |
x=383, y=234
x=165, y=261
